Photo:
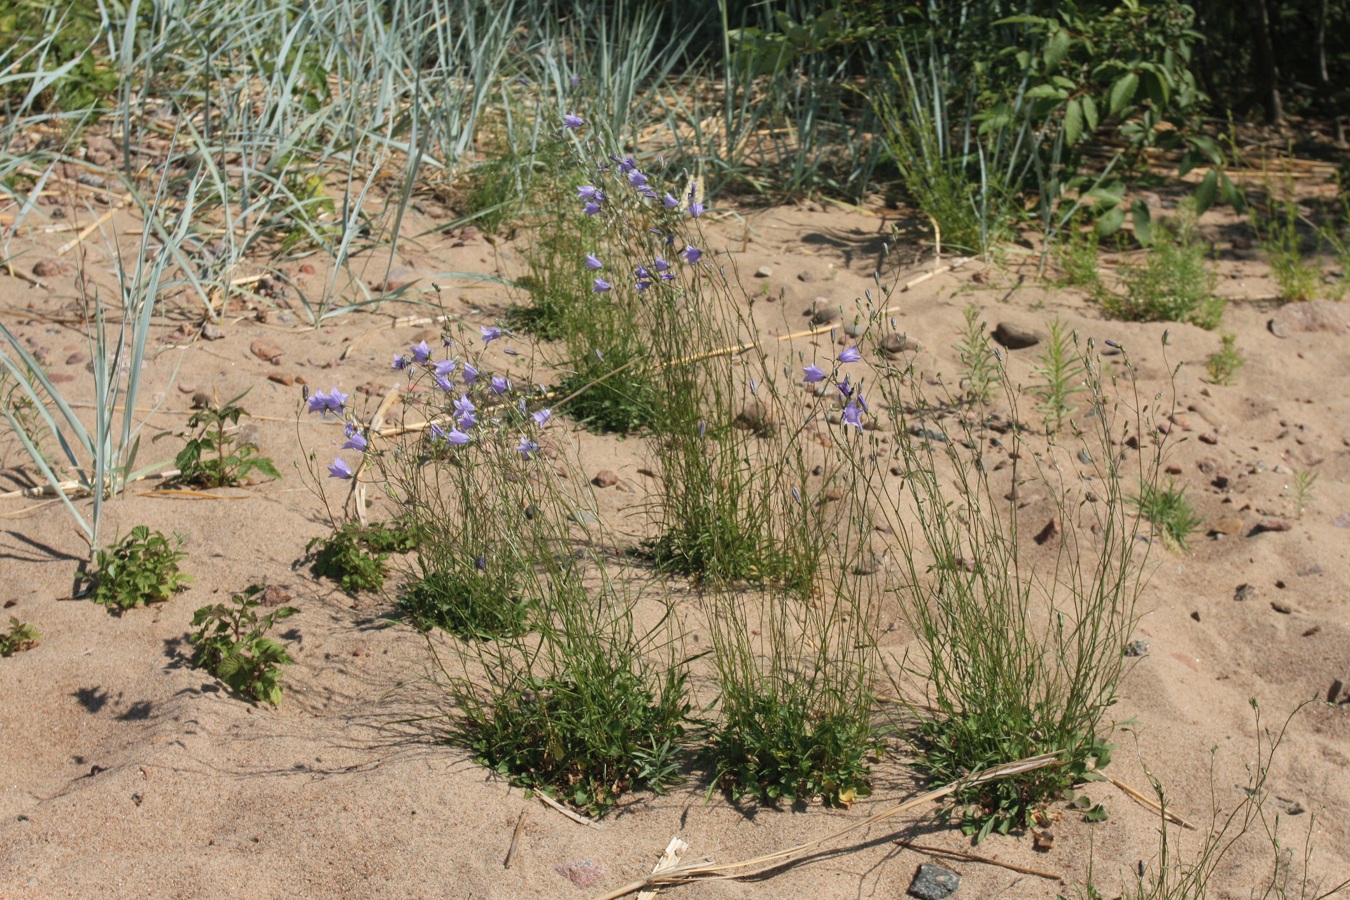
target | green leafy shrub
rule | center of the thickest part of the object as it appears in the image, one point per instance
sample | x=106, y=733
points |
x=232, y=645
x=979, y=365
x=1173, y=284
x=139, y=569
x=214, y=456
x=20, y=637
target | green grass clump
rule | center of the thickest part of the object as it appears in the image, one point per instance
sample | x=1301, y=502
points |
x=1169, y=511
x=1223, y=364
x=609, y=392
x=1173, y=284
x=468, y=601
x=794, y=717
x=141, y=568
x=1013, y=658
x=21, y=636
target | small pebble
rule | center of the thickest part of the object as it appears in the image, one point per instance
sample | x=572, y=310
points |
x=763, y=272
x=605, y=478
x=932, y=882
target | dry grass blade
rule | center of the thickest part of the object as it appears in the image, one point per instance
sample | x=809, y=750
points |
x=960, y=854
x=761, y=864
x=1149, y=803
x=515, y=839
x=575, y=817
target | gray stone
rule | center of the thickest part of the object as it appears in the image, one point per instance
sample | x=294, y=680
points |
x=932, y=882
x=824, y=313
x=212, y=332
x=763, y=271
x=1311, y=315
x=895, y=344
x=1016, y=337
x=855, y=329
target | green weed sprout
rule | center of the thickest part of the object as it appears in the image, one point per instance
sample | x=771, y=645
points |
x=141, y=568
x=20, y=637
x=215, y=457
x=231, y=643
x=979, y=364
x=1060, y=370
x=1305, y=480
x=1169, y=511
x=1223, y=364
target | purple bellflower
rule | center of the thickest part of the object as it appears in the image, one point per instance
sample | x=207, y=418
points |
x=339, y=468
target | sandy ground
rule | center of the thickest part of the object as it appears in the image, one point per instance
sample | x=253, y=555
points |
x=127, y=773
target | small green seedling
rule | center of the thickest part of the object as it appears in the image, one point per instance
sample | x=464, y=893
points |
x=231, y=644
x=215, y=457
x=21, y=636
x=1060, y=370
x=1302, y=489
x=1223, y=364
x=979, y=365
x=140, y=569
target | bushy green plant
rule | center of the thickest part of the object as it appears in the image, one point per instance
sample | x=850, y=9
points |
x=141, y=568
x=794, y=714
x=21, y=636
x=1059, y=368
x=215, y=456
x=1174, y=283
x=1277, y=228
x=1223, y=364
x=1169, y=511
x=231, y=643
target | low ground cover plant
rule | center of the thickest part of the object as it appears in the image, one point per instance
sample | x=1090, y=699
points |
x=1174, y=283
x=356, y=556
x=1223, y=364
x=231, y=643
x=21, y=636
x=140, y=569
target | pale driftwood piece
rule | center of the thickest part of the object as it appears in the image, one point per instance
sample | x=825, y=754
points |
x=74, y=488
x=680, y=874
x=961, y=854
x=356, y=497
x=575, y=817
x=89, y=229
x=669, y=859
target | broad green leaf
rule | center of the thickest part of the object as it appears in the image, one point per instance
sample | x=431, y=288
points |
x=1231, y=193
x=1143, y=222
x=1111, y=222
x=1073, y=122
x=1046, y=91
x=1056, y=49
x=1122, y=92
x=1205, y=193
x=1090, y=113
